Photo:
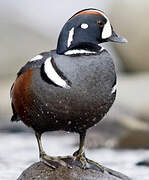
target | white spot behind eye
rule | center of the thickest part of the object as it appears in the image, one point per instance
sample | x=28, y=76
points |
x=70, y=37
x=52, y=74
x=84, y=26
x=38, y=57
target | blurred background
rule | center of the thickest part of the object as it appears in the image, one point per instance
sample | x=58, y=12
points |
x=30, y=27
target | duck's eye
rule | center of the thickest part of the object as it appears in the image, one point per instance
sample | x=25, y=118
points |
x=101, y=23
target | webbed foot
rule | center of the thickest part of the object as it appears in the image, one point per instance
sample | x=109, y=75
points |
x=80, y=156
x=86, y=163
x=55, y=162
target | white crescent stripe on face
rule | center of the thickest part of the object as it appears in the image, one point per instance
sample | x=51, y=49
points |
x=38, y=57
x=70, y=37
x=107, y=30
x=52, y=74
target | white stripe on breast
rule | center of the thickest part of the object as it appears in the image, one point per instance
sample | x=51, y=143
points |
x=52, y=74
x=114, y=89
x=38, y=57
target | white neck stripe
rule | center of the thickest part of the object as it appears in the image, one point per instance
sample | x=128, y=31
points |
x=79, y=51
x=52, y=74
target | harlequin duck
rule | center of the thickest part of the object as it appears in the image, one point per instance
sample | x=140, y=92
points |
x=70, y=88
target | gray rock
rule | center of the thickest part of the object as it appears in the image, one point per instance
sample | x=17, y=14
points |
x=40, y=171
x=144, y=162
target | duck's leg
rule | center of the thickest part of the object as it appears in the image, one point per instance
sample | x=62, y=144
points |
x=41, y=151
x=53, y=162
x=80, y=155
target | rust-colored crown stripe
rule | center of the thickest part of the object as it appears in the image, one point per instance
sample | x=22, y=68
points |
x=88, y=12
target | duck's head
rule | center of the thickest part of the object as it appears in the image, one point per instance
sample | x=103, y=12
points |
x=86, y=30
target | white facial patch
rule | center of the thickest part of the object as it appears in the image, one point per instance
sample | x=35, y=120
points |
x=107, y=30
x=38, y=57
x=114, y=89
x=84, y=26
x=70, y=37
x=53, y=75
x=78, y=51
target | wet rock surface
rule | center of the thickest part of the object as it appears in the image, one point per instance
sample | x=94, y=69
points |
x=19, y=150
x=40, y=171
